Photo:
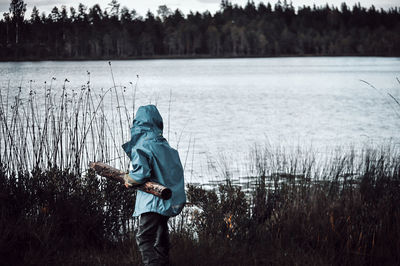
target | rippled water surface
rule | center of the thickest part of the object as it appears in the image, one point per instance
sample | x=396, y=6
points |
x=220, y=108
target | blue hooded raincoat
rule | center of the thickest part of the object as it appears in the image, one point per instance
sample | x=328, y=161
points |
x=154, y=160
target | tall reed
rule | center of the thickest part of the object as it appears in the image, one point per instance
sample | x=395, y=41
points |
x=64, y=129
x=51, y=204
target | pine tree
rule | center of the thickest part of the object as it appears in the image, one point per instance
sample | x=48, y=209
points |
x=17, y=9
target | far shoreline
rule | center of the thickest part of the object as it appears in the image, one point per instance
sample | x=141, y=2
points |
x=188, y=57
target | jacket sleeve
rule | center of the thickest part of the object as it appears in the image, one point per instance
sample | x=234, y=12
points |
x=141, y=170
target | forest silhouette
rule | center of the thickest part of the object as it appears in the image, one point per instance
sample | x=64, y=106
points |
x=260, y=30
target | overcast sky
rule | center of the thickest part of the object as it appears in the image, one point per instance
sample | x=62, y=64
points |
x=184, y=5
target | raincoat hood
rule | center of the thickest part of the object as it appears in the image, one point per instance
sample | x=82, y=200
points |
x=148, y=124
x=148, y=117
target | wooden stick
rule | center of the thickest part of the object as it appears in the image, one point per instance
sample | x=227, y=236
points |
x=110, y=172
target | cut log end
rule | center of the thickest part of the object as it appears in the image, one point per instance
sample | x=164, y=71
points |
x=166, y=194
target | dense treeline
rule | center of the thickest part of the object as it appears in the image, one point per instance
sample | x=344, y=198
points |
x=252, y=30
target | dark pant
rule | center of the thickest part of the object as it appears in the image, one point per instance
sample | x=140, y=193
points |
x=152, y=238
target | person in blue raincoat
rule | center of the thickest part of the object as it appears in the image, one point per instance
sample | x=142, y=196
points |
x=153, y=160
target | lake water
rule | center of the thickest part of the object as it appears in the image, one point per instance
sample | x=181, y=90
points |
x=219, y=108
